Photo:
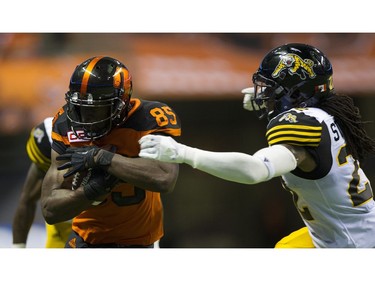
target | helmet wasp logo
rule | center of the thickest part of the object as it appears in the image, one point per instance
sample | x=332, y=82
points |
x=295, y=65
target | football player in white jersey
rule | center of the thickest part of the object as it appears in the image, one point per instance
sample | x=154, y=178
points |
x=317, y=141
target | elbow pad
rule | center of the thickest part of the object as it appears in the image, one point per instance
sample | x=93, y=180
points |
x=278, y=159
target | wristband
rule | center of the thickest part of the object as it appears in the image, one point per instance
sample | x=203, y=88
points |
x=104, y=158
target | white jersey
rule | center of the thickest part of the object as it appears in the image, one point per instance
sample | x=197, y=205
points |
x=48, y=125
x=335, y=200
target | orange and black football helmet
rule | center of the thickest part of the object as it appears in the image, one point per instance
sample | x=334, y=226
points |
x=291, y=75
x=98, y=98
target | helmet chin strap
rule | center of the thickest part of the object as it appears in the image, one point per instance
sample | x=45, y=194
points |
x=271, y=114
x=310, y=102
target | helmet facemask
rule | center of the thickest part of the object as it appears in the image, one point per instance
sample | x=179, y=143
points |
x=267, y=93
x=94, y=117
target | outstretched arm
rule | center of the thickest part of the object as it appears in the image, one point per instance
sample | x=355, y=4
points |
x=26, y=209
x=232, y=166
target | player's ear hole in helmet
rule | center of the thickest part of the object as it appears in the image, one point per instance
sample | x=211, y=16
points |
x=98, y=98
x=291, y=75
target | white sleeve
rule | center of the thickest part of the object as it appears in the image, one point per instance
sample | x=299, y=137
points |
x=238, y=167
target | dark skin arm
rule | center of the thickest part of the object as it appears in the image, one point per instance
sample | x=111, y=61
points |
x=60, y=204
x=26, y=209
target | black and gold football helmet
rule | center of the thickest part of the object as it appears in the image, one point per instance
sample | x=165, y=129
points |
x=291, y=75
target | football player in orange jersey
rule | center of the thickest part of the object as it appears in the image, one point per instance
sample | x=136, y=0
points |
x=96, y=176
x=38, y=148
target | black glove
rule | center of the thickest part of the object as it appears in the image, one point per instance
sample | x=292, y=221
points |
x=99, y=183
x=82, y=158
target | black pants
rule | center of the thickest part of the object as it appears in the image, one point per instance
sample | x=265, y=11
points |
x=76, y=241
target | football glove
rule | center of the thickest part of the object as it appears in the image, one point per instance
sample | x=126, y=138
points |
x=99, y=183
x=83, y=158
x=162, y=148
x=248, y=98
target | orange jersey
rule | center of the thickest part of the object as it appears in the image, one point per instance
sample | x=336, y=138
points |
x=130, y=215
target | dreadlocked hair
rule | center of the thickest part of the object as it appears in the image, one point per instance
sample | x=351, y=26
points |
x=359, y=144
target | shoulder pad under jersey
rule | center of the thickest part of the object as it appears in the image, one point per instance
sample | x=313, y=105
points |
x=153, y=116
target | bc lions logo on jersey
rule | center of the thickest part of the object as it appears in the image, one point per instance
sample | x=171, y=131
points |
x=289, y=117
x=295, y=65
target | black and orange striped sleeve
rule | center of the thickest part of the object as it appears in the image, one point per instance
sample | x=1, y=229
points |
x=59, y=131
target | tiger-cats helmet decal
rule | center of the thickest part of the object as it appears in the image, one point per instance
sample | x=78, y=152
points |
x=295, y=65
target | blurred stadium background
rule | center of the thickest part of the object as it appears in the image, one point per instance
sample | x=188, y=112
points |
x=201, y=76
